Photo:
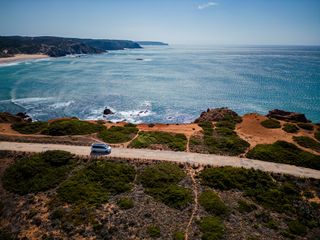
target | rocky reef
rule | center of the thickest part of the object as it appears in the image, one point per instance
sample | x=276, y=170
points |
x=58, y=46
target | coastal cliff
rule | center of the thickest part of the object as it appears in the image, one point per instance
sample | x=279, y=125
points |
x=58, y=46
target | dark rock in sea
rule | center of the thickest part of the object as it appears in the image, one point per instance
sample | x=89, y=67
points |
x=24, y=116
x=107, y=111
x=139, y=59
x=287, y=116
x=216, y=114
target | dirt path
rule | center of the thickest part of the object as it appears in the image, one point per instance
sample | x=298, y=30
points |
x=195, y=190
x=179, y=157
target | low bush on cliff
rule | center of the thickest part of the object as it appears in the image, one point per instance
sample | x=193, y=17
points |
x=271, y=123
x=175, y=142
x=222, y=140
x=72, y=127
x=160, y=181
x=212, y=203
x=116, y=134
x=256, y=184
x=306, y=126
x=212, y=228
x=307, y=143
x=125, y=203
x=39, y=172
x=290, y=128
x=284, y=152
x=93, y=184
x=29, y=127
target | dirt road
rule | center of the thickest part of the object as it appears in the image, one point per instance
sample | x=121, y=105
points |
x=183, y=157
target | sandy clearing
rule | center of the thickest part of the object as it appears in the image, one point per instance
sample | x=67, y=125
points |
x=22, y=57
x=253, y=132
x=178, y=157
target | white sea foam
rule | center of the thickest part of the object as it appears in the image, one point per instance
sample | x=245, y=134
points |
x=61, y=104
x=9, y=64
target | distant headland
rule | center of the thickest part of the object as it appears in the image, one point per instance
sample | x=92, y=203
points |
x=152, y=43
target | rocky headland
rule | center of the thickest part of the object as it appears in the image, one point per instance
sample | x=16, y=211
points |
x=58, y=46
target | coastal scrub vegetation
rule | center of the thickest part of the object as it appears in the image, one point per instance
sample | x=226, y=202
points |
x=161, y=182
x=94, y=183
x=256, y=184
x=125, y=203
x=271, y=123
x=222, y=139
x=284, y=152
x=117, y=134
x=279, y=193
x=154, y=231
x=39, y=172
x=71, y=127
x=306, y=126
x=29, y=127
x=307, y=142
x=212, y=228
x=175, y=142
x=290, y=128
x=212, y=203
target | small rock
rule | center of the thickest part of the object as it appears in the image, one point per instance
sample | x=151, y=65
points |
x=107, y=111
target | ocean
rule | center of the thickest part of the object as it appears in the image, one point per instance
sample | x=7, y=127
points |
x=167, y=84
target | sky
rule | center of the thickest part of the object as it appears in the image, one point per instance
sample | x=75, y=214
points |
x=202, y=22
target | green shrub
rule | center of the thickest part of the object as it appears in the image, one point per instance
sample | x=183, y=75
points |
x=271, y=123
x=39, y=172
x=172, y=195
x=116, y=134
x=244, y=206
x=154, y=231
x=284, y=152
x=161, y=174
x=212, y=228
x=29, y=127
x=125, y=203
x=175, y=142
x=212, y=203
x=317, y=135
x=57, y=157
x=297, y=228
x=306, y=126
x=151, y=125
x=222, y=140
x=178, y=236
x=93, y=184
x=307, y=143
x=160, y=182
x=272, y=224
x=72, y=127
x=256, y=184
x=290, y=128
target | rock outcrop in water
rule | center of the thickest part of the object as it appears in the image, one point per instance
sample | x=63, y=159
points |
x=287, y=116
x=216, y=114
x=58, y=47
x=107, y=111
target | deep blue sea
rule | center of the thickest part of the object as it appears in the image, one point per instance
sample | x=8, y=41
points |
x=169, y=84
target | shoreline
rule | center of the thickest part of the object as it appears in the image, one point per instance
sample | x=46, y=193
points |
x=22, y=57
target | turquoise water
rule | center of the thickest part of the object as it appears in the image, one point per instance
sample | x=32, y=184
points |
x=170, y=84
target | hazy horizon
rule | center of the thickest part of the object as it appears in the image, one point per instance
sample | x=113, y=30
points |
x=190, y=22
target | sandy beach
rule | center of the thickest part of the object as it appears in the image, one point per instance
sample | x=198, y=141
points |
x=22, y=57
